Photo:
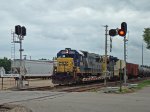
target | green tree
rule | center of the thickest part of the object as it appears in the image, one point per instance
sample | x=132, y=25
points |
x=6, y=63
x=146, y=37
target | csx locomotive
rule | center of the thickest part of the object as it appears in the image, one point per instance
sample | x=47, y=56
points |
x=73, y=66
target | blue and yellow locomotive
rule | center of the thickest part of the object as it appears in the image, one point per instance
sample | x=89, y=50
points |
x=76, y=66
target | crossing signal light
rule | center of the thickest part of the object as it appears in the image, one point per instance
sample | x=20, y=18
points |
x=113, y=32
x=121, y=32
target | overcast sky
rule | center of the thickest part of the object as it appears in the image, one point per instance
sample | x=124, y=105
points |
x=53, y=25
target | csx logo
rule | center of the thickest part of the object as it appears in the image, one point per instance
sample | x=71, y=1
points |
x=63, y=63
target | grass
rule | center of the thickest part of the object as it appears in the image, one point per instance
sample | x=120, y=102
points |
x=125, y=90
x=143, y=84
x=140, y=85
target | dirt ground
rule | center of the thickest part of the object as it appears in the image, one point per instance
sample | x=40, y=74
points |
x=9, y=83
x=13, y=108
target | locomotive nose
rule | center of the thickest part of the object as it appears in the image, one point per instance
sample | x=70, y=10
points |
x=65, y=65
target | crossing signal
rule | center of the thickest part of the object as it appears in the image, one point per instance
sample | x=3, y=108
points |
x=123, y=30
x=113, y=32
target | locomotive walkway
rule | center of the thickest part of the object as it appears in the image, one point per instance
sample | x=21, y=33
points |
x=46, y=101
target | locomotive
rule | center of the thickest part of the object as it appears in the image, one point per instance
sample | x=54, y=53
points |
x=74, y=66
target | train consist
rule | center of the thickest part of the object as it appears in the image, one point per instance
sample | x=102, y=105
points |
x=75, y=66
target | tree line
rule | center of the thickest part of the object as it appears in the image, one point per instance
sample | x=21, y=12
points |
x=146, y=37
x=6, y=63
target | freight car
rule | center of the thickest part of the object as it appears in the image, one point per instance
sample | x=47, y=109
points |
x=144, y=71
x=118, y=68
x=132, y=70
x=33, y=68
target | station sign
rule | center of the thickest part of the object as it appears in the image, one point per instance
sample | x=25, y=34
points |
x=9, y=75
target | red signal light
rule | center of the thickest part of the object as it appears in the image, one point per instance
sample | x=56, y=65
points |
x=121, y=32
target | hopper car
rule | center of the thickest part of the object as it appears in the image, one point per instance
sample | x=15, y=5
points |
x=33, y=68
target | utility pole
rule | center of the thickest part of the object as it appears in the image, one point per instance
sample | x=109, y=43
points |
x=106, y=30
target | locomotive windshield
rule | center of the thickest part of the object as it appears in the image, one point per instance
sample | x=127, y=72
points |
x=66, y=56
x=68, y=53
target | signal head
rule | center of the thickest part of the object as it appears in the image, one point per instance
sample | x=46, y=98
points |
x=121, y=32
x=23, y=31
x=18, y=29
x=113, y=32
x=124, y=26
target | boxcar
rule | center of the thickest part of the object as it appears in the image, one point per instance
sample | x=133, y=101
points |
x=132, y=70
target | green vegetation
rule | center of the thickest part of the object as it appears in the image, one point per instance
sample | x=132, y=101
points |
x=6, y=63
x=143, y=84
x=126, y=90
x=140, y=85
x=146, y=37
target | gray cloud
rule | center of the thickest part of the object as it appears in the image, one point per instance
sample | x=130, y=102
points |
x=53, y=25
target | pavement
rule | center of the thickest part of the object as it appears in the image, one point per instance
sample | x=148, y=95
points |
x=46, y=101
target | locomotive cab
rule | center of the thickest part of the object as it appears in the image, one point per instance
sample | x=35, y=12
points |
x=67, y=66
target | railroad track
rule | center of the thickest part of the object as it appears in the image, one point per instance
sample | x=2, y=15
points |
x=82, y=88
x=79, y=88
x=89, y=87
x=98, y=86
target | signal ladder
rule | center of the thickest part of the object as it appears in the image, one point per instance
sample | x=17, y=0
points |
x=12, y=45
